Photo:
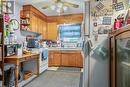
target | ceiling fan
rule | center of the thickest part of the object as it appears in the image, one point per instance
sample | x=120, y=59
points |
x=60, y=6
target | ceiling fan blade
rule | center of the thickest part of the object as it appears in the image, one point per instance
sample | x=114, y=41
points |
x=45, y=7
x=70, y=4
x=56, y=1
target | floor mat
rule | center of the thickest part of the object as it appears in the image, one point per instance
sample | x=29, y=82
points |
x=69, y=68
x=56, y=79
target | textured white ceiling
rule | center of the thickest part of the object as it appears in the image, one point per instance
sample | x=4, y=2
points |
x=40, y=3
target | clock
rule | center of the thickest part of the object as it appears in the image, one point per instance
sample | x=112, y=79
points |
x=15, y=24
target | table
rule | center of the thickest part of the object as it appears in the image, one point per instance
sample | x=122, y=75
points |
x=19, y=59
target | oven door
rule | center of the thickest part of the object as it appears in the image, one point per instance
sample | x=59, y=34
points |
x=43, y=56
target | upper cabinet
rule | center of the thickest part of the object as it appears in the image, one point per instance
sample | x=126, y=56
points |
x=47, y=25
x=34, y=23
x=52, y=31
x=38, y=22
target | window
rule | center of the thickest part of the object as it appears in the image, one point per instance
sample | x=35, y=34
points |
x=70, y=32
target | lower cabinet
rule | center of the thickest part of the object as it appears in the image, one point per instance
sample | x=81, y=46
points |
x=57, y=58
x=50, y=58
x=65, y=58
x=54, y=58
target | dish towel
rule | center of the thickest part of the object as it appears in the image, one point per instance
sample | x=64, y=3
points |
x=44, y=54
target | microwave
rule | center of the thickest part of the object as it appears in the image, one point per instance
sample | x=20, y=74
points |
x=32, y=43
x=10, y=50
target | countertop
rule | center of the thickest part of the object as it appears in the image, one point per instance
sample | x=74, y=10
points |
x=61, y=48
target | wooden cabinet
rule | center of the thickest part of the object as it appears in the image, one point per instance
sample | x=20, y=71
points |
x=44, y=29
x=33, y=23
x=65, y=58
x=72, y=58
x=57, y=58
x=68, y=59
x=50, y=58
x=79, y=60
x=38, y=22
x=52, y=31
x=38, y=25
x=54, y=58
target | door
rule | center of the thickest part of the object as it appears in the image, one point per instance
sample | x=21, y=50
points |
x=57, y=58
x=33, y=21
x=123, y=62
x=44, y=29
x=65, y=59
x=72, y=59
x=50, y=58
x=52, y=31
x=79, y=60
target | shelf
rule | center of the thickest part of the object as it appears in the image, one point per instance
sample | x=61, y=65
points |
x=24, y=82
x=25, y=24
x=24, y=17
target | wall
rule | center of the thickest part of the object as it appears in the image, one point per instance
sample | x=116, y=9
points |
x=16, y=15
x=126, y=7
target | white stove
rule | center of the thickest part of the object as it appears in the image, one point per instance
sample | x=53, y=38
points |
x=43, y=63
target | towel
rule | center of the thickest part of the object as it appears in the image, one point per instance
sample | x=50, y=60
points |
x=44, y=55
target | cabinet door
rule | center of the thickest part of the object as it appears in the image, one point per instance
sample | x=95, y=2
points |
x=39, y=27
x=52, y=31
x=72, y=59
x=50, y=59
x=33, y=21
x=57, y=58
x=68, y=59
x=79, y=60
x=65, y=59
x=44, y=29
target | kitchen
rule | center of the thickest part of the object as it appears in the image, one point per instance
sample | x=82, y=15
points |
x=34, y=34
x=60, y=43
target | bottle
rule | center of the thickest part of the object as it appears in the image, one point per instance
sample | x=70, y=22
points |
x=117, y=24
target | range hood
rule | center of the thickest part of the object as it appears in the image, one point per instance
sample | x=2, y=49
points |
x=26, y=33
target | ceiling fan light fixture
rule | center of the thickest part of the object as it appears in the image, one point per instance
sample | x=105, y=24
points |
x=53, y=7
x=58, y=10
x=65, y=8
x=59, y=5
